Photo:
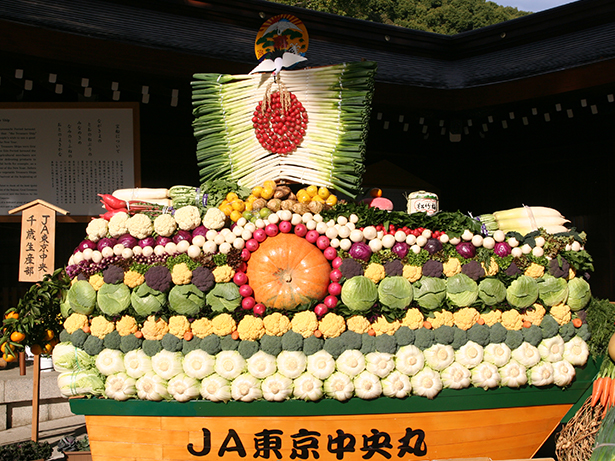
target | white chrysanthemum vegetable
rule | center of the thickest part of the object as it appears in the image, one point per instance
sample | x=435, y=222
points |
x=513, y=374
x=167, y=364
x=307, y=387
x=576, y=351
x=276, y=387
x=198, y=364
x=426, y=383
x=409, y=360
x=291, y=363
x=552, y=349
x=246, y=388
x=229, y=364
x=498, y=354
x=367, y=385
x=563, y=373
x=470, y=354
x=396, y=385
x=151, y=386
x=439, y=356
x=351, y=362
x=137, y=363
x=261, y=365
x=485, y=375
x=321, y=364
x=216, y=388
x=526, y=354
x=380, y=363
x=456, y=376
x=338, y=386
x=183, y=387
x=110, y=361
x=541, y=374
x=120, y=386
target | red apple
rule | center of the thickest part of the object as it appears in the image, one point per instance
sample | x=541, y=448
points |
x=246, y=253
x=259, y=309
x=320, y=309
x=337, y=262
x=322, y=242
x=300, y=230
x=285, y=227
x=330, y=301
x=336, y=275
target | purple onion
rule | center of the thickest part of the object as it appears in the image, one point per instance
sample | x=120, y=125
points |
x=106, y=242
x=433, y=245
x=162, y=240
x=127, y=240
x=201, y=230
x=87, y=244
x=400, y=249
x=502, y=249
x=466, y=249
x=147, y=242
x=182, y=235
x=360, y=250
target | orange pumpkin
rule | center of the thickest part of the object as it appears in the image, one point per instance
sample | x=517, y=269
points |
x=287, y=272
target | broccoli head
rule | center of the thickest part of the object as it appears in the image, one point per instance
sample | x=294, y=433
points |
x=210, y=344
x=130, y=343
x=312, y=344
x=151, y=347
x=64, y=336
x=171, y=343
x=335, y=346
x=404, y=336
x=394, y=268
x=473, y=269
x=368, y=343
x=272, y=345
x=93, y=345
x=189, y=346
x=351, y=268
x=248, y=348
x=480, y=334
x=433, y=268
x=497, y=333
x=386, y=344
x=424, y=338
x=113, y=274
x=203, y=278
x=549, y=326
x=514, y=338
x=351, y=340
x=567, y=331
x=460, y=338
x=532, y=335
x=583, y=332
x=228, y=343
x=158, y=278
x=112, y=340
x=292, y=341
x=78, y=338
x=444, y=334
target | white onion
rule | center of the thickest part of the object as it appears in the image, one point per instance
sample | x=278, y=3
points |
x=477, y=240
x=489, y=243
x=182, y=246
x=225, y=248
x=198, y=240
x=345, y=244
x=411, y=239
x=148, y=251
x=370, y=232
x=356, y=235
x=239, y=243
x=388, y=241
x=127, y=253
x=194, y=251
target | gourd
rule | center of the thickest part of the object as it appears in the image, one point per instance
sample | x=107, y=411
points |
x=287, y=272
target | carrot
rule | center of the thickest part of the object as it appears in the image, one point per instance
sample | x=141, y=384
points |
x=597, y=390
x=188, y=335
x=527, y=324
x=606, y=390
x=480, y=321
x=86, y=329
x=577, y=322
x=318, y=333
x=427, y=324
x=235, y=335
x=139, y=334
x=371, y=332
x=612, y=393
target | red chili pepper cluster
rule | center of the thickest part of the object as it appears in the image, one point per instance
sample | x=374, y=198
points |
x=114, y=205
x=277, y=130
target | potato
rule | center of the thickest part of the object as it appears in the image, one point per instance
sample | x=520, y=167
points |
x=274, y=204
x=259, y=203
x=288, y=204
x=281, y=192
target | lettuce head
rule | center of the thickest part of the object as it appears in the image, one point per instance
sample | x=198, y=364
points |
x=579, y=294
x=186, y=299
x=113, y=298
x=522, y=292
x=461, y=290
x=395, y=292
x=224, y=297
x=81, y=297
x=429, y=292
x=552, y=290
x=491, y=291
x=359, y=293
x=146, y=301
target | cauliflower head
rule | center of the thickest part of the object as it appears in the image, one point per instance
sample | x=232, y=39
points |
x=305, y=323
x=165, y=225
x=358, y=324
x=97, y=229
x=202, y=327
x=178, y=325
x=75, y=321
x=276, y=324
x=375, y=272
x=118, y=224
x=412, y=273
x=181, y=274
x=561, y=313
x=223, y=324
x=101, y=327
x=250, y=328
x=188, y=217
x=126, y=325
x=512, y=320
x=154, y=329
x=451, y=267
x=140, y=226
x=383, y=327
x=133, y=278
x=534, y=314
x=332, y=325
x=223, y=274
x=413, y=319
x=214, y=219
x=466, y=317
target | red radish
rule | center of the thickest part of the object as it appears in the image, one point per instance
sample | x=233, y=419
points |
x=272, y=230
x=259, y=234
x=259, y=309
x=330, y=301
x=240, y=278
x=251, y=245
x=245, y=253
x=330, y=253
x=312, y=236
x=242, y=267
x=322, y=242
x=335, y=289
x=300, y=230
x=248, y=303
x=320, y=309
x=336, y=275
x=337, y=262
x=285, y=227
x=246, y=290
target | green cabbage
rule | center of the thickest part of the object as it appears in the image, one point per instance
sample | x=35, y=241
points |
x=461, y=290
x=395, y=292
x=552, y=290
x=429, y=292
x=113, y=298
x=579, y=294
x=359, y=293
x=186, y=299
x=522, y=292
x=224, y=297
x=491, y=291
x=146, y=301
x=82, y=297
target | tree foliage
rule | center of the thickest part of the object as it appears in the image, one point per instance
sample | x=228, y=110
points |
x=447, y=17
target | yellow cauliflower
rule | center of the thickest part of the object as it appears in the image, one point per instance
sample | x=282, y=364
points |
x=375, y=272
x=332, y=325
x=571, y=274
x=535, y=271
x=412, y=273
x=178, y=325
x=223, y=324
x=223, y=274
x=101, y=327
x=512, y=320
x=96, y=281
x=466, y=317
x=133, y=279
x=413, y=319
x=451, y=267
x=126, y=325
x=305, y=323
x=75, y=321
x=154, y=329
x=491, y=317
x=358, y=324
x=534, y=314
x=442, y=318
x=202, y=327
x=561, y=313
x=383, y=327
x=276, y=324
x=251, y=328
x=181, y=274
x=492, y=269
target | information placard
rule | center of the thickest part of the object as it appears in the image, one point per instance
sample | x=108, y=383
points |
x=67, y=153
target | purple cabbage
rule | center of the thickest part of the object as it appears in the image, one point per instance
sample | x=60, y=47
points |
x=433, y=245
x=147, y=242
x=162, y=240
x=502, y=249
x=106, y=242
x=201, y=230
x=400, y=249
x=127, y=240
x=87, y=244
x=182, y=235
x=360, y=250
x=466, y=250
